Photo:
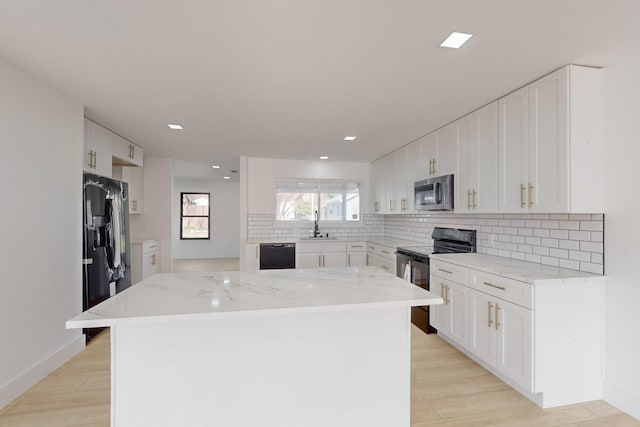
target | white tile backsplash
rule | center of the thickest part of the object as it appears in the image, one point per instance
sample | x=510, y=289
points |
x=571, y=241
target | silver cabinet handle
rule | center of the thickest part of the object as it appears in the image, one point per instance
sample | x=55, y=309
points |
x=446, y=295
x=445, y=271
x=473, y=193
x=90, y=164
x=468, y=199
x=434, y=167
x=385, y=267
x=522, y=203
x=385, y=252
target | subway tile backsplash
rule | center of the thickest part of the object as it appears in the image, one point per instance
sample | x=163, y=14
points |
x=573, y=241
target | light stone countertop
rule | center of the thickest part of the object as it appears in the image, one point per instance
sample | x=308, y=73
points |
x=514, y=269
x=190, y=296
x=392, y=243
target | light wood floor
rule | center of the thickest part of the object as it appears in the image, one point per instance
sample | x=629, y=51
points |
x=447, y=389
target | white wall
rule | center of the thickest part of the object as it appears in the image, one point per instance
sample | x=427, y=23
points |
x=156, y=221
x=225, y=220
x=622, y=232
x=40, y=229
x=262, y=173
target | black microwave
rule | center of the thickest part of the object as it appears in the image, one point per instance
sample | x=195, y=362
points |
x=434, y=194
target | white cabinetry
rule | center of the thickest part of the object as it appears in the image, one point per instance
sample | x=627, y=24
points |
x=321, y=254
x=125, y=152
x=381, y=256
x=377, y=189
x=97, y=149
x=451, y=318
x=356, y=254
x=550, y=144
x=476, y=175
x=251, y=257
x=501, y=331
x=437, y=153
x=134, y=176
x=145, y=259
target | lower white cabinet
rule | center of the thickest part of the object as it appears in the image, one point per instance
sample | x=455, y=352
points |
x=451, y=317
x=356, y=254
x=381, y=256
x=252, y=257
x=321, y=254
x=538, y=329
x=145, y=259
x=501, y=335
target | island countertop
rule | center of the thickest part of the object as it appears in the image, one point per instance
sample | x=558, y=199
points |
x=190, y=296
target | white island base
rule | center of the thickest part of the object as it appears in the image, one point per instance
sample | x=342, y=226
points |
x=324, y=347
x=338, y=368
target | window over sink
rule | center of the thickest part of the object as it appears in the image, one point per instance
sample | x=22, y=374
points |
x=335, y=200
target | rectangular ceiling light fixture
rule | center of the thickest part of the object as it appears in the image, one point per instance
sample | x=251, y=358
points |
x=349, y=138
x=455, y=40
x=175, y=127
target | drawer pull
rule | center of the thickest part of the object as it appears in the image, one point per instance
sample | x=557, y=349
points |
x=385, y=252
x=445, y=271
x=357, y=246
x=494, y=286
x=385, y=267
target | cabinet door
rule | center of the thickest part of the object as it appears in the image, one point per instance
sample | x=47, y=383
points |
x=513, y=135
x=377, y=190
x=308, y=260
x=252, y=257
x=482, y=336
x=485, y=160
x=389, y=184
x=457, y=313
x=411, y=175
x=426, y=154
x=465, y=161
x=401, y=161
x=436, y=312
x=514, y=342
x=548, y=138
x=334, y=259
x=97, y=150
x=356, y=259
x=134, y=176
x=445, y=156
x=154, y=262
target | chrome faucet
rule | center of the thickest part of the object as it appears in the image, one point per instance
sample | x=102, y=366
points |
x=316, y=232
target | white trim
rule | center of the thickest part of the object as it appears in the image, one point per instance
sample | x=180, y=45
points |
x=22, y=382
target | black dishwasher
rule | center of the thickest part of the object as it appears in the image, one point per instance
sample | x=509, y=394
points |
x=277, y=255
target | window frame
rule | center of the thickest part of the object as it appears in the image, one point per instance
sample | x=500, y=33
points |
x=307, y=222
x=182, y=215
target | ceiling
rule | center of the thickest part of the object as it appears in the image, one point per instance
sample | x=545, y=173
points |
x=291, y=78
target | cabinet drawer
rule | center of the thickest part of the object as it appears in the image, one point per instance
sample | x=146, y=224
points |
x=451, y=272
x=334, y=247
x=150, y=246
x=383, y=251
x=357, y=246
x=309, y=247
x=514, y=291
x=387, y=265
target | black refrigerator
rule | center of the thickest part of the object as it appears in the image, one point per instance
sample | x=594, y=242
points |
x=106, y=245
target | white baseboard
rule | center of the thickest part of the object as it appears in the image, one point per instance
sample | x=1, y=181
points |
x=622, y=398
x=22, y=382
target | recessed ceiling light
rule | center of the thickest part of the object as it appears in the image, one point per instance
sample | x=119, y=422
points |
x=349, y=138
x=226, y=177
x=324, y=157
x=175, y=127
x=455, y=40
x=215, y=167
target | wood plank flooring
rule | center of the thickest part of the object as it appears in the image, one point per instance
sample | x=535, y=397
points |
x=447, y=389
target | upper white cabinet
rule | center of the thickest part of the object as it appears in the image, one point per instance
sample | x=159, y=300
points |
x=103, y=149
x=476, y=174
x=97, y=149
x=125, y=152
x=437, y=153
x=377, y=191
x=550, y=136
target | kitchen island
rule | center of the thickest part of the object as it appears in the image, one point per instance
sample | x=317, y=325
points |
x=317, y=347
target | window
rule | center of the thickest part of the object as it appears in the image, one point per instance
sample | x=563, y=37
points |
x=334, y=200
x=194, y=216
